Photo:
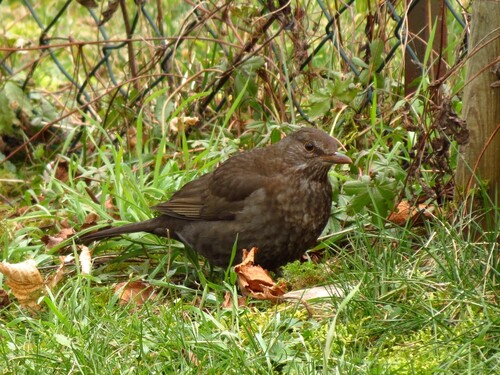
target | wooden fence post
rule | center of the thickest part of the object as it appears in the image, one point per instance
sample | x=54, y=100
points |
x=421, y=18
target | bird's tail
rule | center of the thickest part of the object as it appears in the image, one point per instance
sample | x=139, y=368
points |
x=143, y=226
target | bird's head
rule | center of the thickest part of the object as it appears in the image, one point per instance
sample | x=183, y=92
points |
x=312, y=151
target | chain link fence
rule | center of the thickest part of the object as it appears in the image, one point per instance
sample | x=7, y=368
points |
x=89, y=57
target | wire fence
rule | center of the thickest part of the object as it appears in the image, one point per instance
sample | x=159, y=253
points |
x=205, y=52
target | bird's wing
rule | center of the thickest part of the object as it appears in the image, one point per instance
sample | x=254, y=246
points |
x=219, y=195
x=187, y=203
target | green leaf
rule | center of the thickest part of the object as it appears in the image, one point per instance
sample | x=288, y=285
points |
x=319, y=108
x=7, y=165
x=361, y=6
x=364, y=77
x=356, y=187
x=17, y=98
x=360, y=190
x=7, y=115
x=63, y=340
x=377, y=51
x=163, y=110
x=358, y=62
x=251, y=65
x=376, y=193
x=245, y=79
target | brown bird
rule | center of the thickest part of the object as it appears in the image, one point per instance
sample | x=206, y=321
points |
x=277, y=198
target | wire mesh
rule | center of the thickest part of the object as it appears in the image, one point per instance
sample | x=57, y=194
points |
x=110, y=72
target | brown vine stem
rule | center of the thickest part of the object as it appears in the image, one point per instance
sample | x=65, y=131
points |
x=237, y=60
x=130, y=46
x=76, y=110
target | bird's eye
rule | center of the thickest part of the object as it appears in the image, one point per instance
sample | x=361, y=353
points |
x=309, y=146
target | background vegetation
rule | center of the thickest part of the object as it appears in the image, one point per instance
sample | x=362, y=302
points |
x=106, y=111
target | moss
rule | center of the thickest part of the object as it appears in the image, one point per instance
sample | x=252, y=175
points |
x=302, y=275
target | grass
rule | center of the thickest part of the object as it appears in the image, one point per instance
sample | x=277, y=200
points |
x=418, y=300
x=427, y=300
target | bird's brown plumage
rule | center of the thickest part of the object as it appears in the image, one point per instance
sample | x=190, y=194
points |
x=277, y=198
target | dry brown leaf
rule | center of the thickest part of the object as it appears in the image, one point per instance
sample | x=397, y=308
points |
x=88, y=3
x=21, y=211
x=54, y=279
x=182, y=123
x=109, y=11
x=111, y=208
x=52, y=241
x=255, y=281
x=191, y=357
x=91, y=218
x=4, y=299
x=404, y=212
x=25, y=282
x=62, y=170
x=132, y=138
x=136, y=291
x=65, y=223
x=109, y=205
x=65, y=233
x=85, y=259
x=90, y=221
x=228, y=301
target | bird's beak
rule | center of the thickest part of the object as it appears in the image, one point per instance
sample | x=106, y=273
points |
x=340, y=158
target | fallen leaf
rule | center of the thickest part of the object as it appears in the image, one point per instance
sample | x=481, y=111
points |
x=255, y=281
x=404, y=212
x=65, y=223
x=228, y=301
x=182, y=123
x=88, y=3
x=91, y=218
x=52, y=241
x=54, y=279
x=111, y=208
x=136, y=291
x=22, y=210
x=4, y=299
x=85, y=259
x=63, y=340
x=65, y=233
x=25, y=282
x=62, y=171
x=109, y=11
x=90, y=221
x=132, y=137
x=325, y=291
x=191, y=357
